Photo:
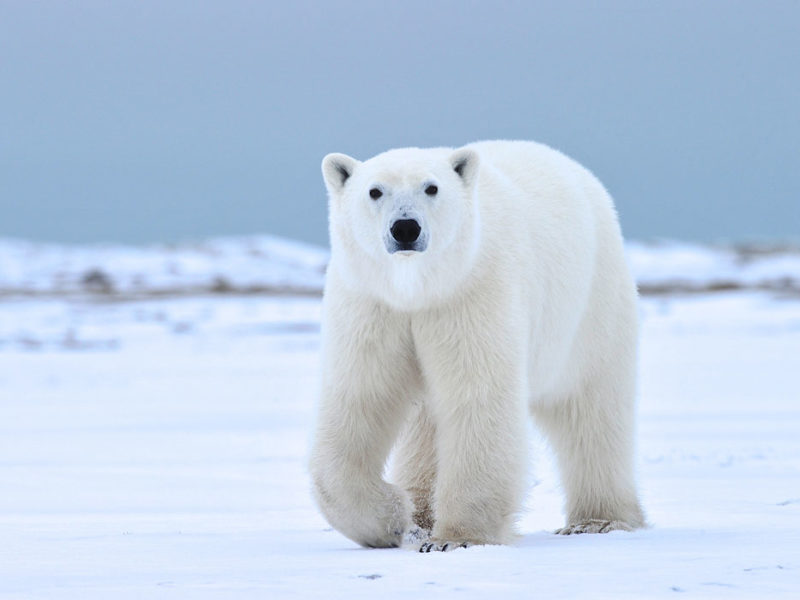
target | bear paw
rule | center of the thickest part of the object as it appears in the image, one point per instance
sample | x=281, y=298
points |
x=593, y=526
x=416, y=536
x=442, y=546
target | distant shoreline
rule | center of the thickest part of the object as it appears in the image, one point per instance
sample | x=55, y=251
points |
x=272, y=266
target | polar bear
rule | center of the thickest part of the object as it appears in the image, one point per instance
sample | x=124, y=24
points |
x=466, y=288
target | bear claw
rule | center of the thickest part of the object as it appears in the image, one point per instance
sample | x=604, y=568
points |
x=442, y=546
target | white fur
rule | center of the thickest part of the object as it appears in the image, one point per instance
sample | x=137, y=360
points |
x=521, y=303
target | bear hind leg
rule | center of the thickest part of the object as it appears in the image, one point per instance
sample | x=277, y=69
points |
x=592, y=435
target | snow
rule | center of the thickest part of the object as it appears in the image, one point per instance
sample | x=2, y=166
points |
x=670, y=266
x=157, y=447
x=244, y=265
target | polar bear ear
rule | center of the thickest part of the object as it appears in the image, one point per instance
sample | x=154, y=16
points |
x=336, y=170
x=465, y=163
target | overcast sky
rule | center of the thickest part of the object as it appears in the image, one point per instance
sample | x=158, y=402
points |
x=144, y=121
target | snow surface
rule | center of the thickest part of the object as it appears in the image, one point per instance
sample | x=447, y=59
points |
x=156, y=449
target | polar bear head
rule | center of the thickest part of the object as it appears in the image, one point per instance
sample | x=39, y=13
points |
x=404, y=224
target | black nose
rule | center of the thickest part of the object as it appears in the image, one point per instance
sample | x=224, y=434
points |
x=405, y=231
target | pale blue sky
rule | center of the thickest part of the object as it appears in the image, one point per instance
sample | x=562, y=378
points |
x=142, y=121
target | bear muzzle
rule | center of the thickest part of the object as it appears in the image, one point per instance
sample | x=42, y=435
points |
x=406, y=235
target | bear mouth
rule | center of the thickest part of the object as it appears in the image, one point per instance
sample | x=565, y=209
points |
x=407, y=248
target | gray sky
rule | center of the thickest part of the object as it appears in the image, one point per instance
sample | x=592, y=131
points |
x=143, y=121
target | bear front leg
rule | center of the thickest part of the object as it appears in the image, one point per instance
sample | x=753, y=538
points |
x=476, y=377
x=346, y=467
x=368, y=376
x=415, y=464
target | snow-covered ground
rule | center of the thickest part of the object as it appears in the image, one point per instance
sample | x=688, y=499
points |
x=156, y=447
x=252, y=264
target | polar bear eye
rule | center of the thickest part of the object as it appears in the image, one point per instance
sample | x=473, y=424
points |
x=375, y=193
x=431, y=190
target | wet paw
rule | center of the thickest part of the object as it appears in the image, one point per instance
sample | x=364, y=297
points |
x=442, y=546
x=593, y=526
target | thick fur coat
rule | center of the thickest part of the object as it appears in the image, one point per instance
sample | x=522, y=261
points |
x=514, y=299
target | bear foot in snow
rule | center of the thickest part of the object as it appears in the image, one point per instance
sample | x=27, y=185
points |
x=593, y=526
x=442, y=546
x=419, y=540
x=416, y=536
